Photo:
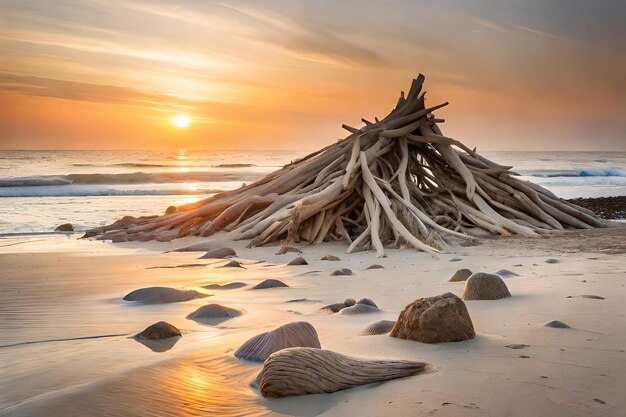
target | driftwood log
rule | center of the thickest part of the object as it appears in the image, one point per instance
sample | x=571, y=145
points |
x=395, y=182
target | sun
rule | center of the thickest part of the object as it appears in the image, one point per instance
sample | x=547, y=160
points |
x=181, y=121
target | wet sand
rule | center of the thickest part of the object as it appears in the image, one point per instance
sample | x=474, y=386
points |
x=65, y=348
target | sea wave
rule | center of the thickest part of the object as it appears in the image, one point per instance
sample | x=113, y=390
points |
x=96, y=191
x=128, y=178
x=584, y=172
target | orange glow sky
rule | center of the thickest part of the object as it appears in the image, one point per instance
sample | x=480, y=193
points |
x=112, y=74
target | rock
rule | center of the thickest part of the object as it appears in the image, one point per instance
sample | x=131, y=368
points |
x=460, y=275
x=231, y=264
x=298, y=333
x=340, y=272
x=456, y=259
x=517, y=346
x=506, y=273
x=593, y=297
x=555, y=324
x=380, y=327
x=552, y=261
x=298, y=261
x=285, y=249
x=229, y=286
x=219, y=253
x=484, y=286
x=439, y=319
x=160, y=295
x=302, y=370
x=330, y=258
x=171, y=210
x=367, y=302
x=213, y=312
x=359, y=309
x=206, y=246
x=375, y=266
x=270, y=283
x=334, y=308
x=158, y=331
x=65, y=227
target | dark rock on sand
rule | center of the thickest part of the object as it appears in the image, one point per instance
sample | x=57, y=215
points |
x=270, y=283
x=340, y=272
x=219, y=253
x=380, y=327
x=593, y=297
x=298, y=261
x=555, y=324
x=231, y=264
x=334, y=308
x=359, y=309
x=552, y=261
x=456, y=259
x=367, y=302
x=506, y=273
x=65, y=227
x=286, y=249
x=259, y=347
x=158, y=331
x=229, y=286
x=330, y=258
x=484, y=286
x=160, y=295
x=213, y=312
x=325, y=371
x=206, y=246
x=460, y=275
x=439, y=319
x=375, y=266
x=605, y=207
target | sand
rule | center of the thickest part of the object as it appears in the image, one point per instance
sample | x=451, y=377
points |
x=66, y=295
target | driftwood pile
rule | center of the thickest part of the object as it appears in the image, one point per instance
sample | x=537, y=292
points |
x=395, y=182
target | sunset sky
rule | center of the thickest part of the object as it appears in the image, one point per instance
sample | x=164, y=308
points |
x=113, y=74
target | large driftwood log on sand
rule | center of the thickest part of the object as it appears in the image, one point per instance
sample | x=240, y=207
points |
x=393, y=182
x=301, y=370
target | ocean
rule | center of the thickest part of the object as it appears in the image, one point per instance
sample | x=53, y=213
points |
x=41, y=189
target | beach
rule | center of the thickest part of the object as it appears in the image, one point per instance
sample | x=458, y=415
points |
x=66, y=346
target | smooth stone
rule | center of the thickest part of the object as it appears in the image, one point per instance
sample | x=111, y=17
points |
x=380, y=327
x=231, y=264
x=334, y=308
x=517, y=346
x=341, y=272
x=160, y=295
x=460, y=275
x=65, y=227
x=219, y=253
x=330, y=258
x=555, y=324
x=302, y=370
x=375, y=266
x=593, y=297
x=171, y=210
x=296, y=334
x=552, y=261
x=359, y=309
x=285, y=249
x=439, y=319
x=298, y=261
x=270, y=283
x=367, y=301
x=206, y=246
x=506, y=273
x=484, y=286
x=229, y=286
x=212, y=312
x=456, y=259
x=158, y=331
